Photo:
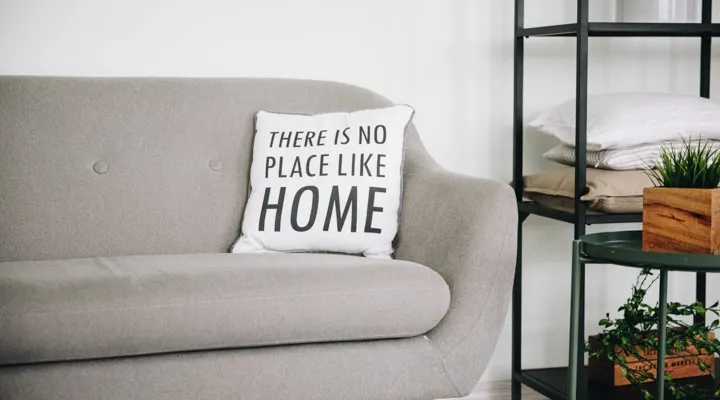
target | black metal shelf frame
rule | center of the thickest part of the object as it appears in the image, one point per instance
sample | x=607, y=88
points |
x=619, y=29
x=581, y=30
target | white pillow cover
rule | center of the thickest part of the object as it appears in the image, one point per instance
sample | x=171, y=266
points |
x=644, y=156
x=325, y=183
x=619, y=120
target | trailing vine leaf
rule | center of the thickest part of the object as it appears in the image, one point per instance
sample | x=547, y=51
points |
x=635, y=334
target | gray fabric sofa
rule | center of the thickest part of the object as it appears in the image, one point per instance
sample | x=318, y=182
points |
x=120, y=198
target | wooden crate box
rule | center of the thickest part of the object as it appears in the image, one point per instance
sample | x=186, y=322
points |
x=681, y=220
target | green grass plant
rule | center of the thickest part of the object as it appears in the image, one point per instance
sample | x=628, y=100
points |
x=692, y=165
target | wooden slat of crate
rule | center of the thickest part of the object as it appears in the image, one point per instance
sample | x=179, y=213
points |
x=651, y=354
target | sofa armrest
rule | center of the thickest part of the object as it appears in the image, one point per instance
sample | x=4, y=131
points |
x=465, y=229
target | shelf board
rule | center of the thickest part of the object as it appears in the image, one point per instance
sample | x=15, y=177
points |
x=624, y=29
x=549, y=382
x=591, y=217
x=552, y=383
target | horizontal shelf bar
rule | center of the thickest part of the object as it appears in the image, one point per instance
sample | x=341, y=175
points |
x=550, y=30
x=569, y=215
x=599, y=218
x=626, y=29
x=652, y=29
x=546, y=389
x=547, y=212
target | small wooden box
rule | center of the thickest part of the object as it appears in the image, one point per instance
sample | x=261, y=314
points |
x=676, y=367
x=679, y=364
x=681, y=220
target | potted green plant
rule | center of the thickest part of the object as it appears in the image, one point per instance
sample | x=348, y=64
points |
x=682, y=212
x=625, y=352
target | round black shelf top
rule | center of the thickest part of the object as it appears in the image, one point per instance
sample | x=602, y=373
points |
x=625, y=248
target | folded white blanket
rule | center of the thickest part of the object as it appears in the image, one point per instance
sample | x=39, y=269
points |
x=644, y=156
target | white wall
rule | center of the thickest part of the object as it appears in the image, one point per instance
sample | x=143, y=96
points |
x=452, y=60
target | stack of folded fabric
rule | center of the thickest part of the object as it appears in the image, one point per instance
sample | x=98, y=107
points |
x=625, y=134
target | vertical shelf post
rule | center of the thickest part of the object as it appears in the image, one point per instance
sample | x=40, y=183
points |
x=518, y=184
x=576, y=388
x=705, y=53
x=581, y=93
x=705, y=50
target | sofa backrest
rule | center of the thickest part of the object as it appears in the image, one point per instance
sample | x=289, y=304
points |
x=119, y=166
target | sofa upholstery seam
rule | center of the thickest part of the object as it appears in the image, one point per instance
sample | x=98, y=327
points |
x=443, y=365
x=223, y=300
x=234, y=347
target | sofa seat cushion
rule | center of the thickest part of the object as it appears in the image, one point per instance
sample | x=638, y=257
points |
x=121, y=306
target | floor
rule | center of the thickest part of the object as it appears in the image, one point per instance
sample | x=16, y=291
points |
x=500, y=391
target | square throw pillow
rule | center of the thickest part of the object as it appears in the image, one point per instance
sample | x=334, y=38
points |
x=606, y=191
x=620, y=120
x=326, y=183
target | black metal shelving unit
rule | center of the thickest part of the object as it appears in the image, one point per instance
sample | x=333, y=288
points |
x=553, y=382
